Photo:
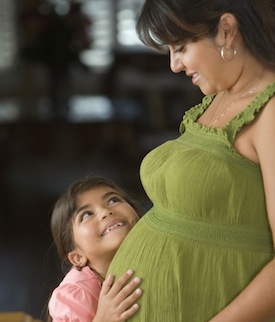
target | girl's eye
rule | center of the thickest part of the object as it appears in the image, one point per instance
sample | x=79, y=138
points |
x=114, y=199
x=85, y=215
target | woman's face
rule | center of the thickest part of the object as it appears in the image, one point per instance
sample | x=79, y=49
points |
x=103, y=219
x=202, y=62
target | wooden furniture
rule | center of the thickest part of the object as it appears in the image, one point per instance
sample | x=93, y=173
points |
x=16, y=317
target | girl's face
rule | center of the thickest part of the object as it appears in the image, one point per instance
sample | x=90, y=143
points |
x=103, y=219
x=202, y=62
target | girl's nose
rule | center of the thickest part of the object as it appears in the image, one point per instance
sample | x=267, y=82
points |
x=106, y=212
x=176, y=64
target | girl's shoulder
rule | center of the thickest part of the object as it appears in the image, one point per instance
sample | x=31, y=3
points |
x=80, y=288
x=76, y=275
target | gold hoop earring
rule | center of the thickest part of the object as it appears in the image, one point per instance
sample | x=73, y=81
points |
x=228, y=54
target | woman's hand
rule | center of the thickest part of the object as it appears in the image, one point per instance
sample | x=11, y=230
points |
x=117, y=301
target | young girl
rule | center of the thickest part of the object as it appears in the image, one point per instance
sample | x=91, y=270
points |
x=89, y=222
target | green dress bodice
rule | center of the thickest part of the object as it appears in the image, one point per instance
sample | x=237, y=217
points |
x=207, y=235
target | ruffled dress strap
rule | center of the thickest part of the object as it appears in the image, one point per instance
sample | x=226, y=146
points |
x=249, y=113
x=195, y=112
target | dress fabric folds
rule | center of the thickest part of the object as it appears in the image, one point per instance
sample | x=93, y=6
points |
x=207, y=235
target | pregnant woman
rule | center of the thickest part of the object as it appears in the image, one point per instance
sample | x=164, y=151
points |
x=205, y=251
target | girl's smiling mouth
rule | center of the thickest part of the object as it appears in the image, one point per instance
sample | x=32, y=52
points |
x=113, y=226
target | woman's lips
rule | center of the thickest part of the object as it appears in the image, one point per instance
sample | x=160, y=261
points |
x=195, y=78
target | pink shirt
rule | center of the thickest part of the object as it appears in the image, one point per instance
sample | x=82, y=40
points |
x=76, y=297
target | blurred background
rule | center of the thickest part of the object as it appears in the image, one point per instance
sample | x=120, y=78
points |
x=79, y=94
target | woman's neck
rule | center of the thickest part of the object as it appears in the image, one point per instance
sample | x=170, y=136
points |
x=250, y=78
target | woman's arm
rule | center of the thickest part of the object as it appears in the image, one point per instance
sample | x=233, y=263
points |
x=256, y=303
x=117, y=301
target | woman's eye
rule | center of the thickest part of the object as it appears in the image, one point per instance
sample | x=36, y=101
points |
x=179, y=50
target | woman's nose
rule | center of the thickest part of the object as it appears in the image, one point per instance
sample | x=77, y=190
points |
x=176, y=64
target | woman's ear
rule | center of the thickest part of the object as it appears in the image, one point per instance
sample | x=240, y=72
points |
x=77, y=259
x=227, y=30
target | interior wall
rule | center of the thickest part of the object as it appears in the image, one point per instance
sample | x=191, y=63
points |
x=60, y=120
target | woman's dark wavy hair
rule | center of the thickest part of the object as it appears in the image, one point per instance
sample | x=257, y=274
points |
x=66, y=206
x=163, y=22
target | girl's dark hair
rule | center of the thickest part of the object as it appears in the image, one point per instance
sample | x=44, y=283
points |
x=163, y=22
x=65, y=207
x=64, y=210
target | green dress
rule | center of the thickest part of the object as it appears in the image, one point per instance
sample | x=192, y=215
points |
x=207, y=234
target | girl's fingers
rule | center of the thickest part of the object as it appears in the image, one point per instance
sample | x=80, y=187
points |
x=107, y=284
x=129, y=290
x=119, y=284
x=129, y=301
x=122, y=295
x=129, y=312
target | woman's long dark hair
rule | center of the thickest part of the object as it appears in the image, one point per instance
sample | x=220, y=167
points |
x=163, y=22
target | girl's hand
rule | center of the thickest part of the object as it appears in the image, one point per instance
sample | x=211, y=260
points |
x=117, y=301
